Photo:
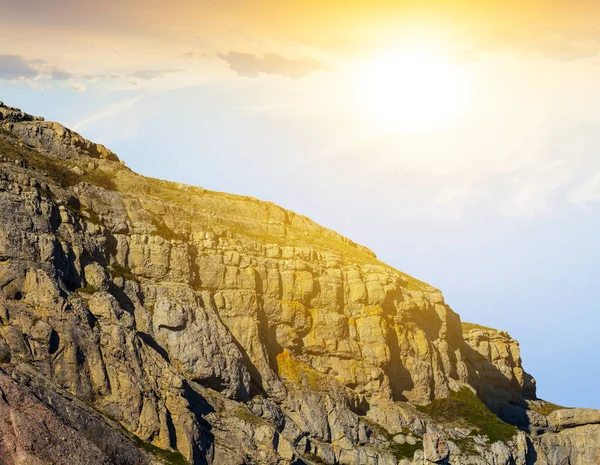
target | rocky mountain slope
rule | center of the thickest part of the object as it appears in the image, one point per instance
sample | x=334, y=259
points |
x=148, y=322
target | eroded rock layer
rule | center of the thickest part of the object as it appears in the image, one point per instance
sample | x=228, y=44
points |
x=217, y=329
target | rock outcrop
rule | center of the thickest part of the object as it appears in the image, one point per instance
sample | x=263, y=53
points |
x=150, y=321
x=574, y=438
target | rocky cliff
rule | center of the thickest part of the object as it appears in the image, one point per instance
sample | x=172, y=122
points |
x=143, y=321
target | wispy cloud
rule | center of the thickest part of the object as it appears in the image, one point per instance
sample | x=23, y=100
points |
x=98, y=77
x=249, y=65
x=149, y=74
x=14, y=67
x=60, y=75
x=108, y=111
x=37, y=73
x=588, y=193
x=188, y=56
x=76, y=86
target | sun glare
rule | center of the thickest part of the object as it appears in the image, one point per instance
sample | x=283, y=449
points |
x=411, y=90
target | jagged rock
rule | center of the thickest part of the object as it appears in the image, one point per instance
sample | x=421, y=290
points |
x=571, y=418
x=435, y=448
x=226, y=329
x=497, y=364
x=68, y=432
x=573, y=440
x=14, y=115
x=576, y=446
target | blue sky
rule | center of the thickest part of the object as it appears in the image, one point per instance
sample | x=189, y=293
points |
x=497, y=207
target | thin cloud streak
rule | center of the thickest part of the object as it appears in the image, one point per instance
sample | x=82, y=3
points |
x=149, y=74
x=249, y=65
x=110, y=110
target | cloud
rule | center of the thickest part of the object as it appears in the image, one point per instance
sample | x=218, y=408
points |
x=97, y=77
x=36, y=85
x=76, y=86
x=564, y=29
x=249, y=65
x=13, y=67
x=108, y=111
x=59, y=75
x=149, y=74
x=588, y=193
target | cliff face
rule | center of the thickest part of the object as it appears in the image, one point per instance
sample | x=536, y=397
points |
x=149, y=322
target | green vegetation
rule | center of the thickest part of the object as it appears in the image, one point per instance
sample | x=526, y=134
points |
x=544, y=408
x=88, y=289
x=313, y=458
x=466, y=327
x=377, y=428
x=463, y=408
x=237, y=210
x=400, y=451
x=167, y=456
x=102, y=178
x=466, y=445
x=120, y=271
x=244, y=414
x=381, y=431
x=57, y=170
x=406, y=450
x=236, y=213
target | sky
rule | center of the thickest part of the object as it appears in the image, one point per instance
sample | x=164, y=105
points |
x=458, y=141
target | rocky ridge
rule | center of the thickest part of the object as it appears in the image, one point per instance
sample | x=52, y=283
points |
x=143, y=321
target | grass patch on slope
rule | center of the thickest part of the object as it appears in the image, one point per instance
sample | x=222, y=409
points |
x=244, y=414
x=400, y=451
x=167, y=456
x=58, y=170
x=120, y=271
x=544, y=408
x=464, y=408
x=404, y=451
x=88, y=289
x=466, y=327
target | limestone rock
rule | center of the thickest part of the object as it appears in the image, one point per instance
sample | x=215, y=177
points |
x=64, y=432
x=141, y=315
x=435, y=448
x=571, y=418
x=576, y=446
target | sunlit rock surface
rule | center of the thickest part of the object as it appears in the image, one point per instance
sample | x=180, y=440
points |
x=188, y=325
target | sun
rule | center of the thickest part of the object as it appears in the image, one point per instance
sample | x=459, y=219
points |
x=410, y=90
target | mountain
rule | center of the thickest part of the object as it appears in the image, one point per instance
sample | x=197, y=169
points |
x=149, y=322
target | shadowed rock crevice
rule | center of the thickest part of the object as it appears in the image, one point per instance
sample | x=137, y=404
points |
x=151, y=342
x=53, y=343
x=400, y=377
x=200, y=408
